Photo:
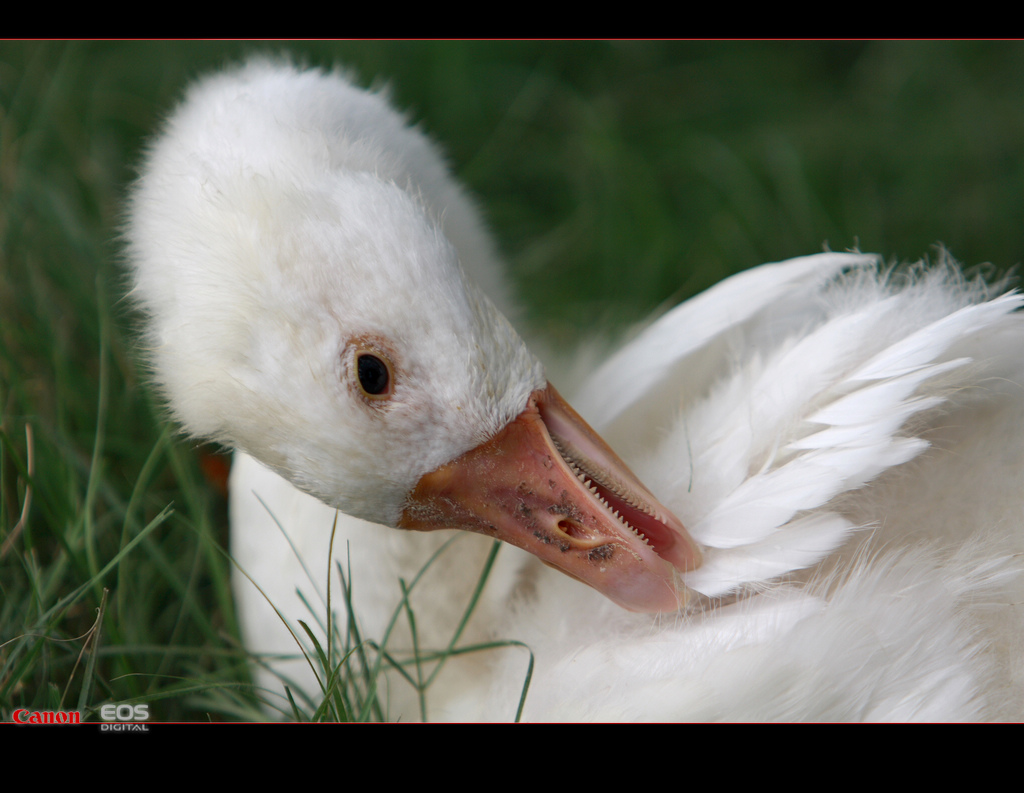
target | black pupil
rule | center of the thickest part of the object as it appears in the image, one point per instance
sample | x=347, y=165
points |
x=373, y=374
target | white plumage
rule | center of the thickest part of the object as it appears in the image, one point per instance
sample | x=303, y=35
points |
x=882, y=471
x=841, y=439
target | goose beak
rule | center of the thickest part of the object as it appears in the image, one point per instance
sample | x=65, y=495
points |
x=547, y=483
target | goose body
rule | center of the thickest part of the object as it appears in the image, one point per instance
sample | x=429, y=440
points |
x=840, y=441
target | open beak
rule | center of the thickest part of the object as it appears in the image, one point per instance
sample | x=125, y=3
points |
x=547, y=483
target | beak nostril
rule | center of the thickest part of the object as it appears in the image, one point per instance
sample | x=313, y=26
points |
x=573, y=529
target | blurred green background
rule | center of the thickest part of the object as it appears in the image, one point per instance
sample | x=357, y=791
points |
x=617, y=177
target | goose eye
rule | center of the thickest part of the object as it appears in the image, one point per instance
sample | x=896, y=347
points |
x=374, y=375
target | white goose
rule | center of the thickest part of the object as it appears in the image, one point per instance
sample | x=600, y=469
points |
x=842, y=442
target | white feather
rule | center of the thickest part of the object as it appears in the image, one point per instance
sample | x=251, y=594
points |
x=844, y=440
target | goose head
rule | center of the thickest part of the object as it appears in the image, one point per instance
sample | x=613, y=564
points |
x=314, y=315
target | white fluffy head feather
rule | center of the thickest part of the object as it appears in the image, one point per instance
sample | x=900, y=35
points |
x=283, y=220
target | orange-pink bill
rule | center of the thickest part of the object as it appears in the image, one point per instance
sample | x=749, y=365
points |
x=548, y=483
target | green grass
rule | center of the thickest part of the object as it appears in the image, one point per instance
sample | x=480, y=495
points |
x=617, y=178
